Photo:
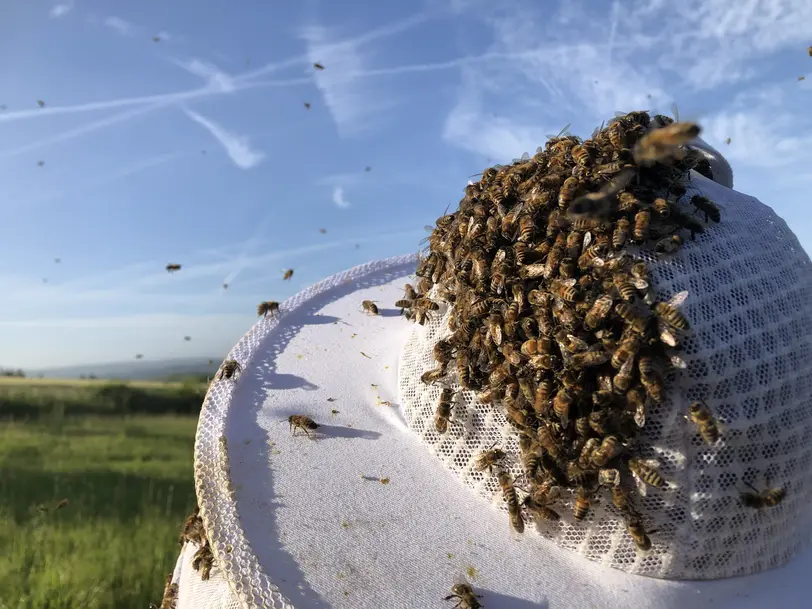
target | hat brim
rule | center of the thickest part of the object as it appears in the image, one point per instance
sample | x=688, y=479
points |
x=361, y=515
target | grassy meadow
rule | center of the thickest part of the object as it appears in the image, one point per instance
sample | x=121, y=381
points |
x=121, y=455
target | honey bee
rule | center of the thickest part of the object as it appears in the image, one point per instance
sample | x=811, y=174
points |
x=662, y=207
x=610, y=447
x=171, y=268
x=598, y=311
x=758, y=500
x=409, y=293
x=433, y=375
x=624, y=286
x=443, y=351
x=565, y=289
x=621, y=234
x=443, y=414
x=609, y=477
x=709, y=427
x=287, y=275
x=645, y=472
x=639, y=534
x=562, y=402
x=669, y=245
x=567, y=192
x=544, y=391
x=540, y=509
x=466, y=599
x=651, y=378
x=269, y=307
x=318, y=66
x=636, y=399
x=581, y=506
x=303, y=422
x=229, y=368
x=489, y=458
x=628, y=203
x=635, y=320
x=708, y=207
x=509, y=493
x=591, y=257
x=670, y=314
x=582, y=155
x=589, y=359
x=622, y=501
x=479, y=308
x=687, y=222
x=550, y=267
x=663, y=143
x=494, y=325
x=642, y=220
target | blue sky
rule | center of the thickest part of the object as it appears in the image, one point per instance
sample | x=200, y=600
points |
x=198, y=149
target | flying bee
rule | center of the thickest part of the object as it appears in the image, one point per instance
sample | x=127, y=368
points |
x=489, y=458
x=709, y=427
x=610, y=447
x=318, y=66
x=287, y=275
x=466, y=599
x=443, y=413
x=639, y=534
x=663, y=143
x=621, y=234
x=669, y=245
x=581, y=506
x=269, y=307
x=404, y=303
x=758, y=500
x=370, y=307
x=645, y=473
x=409, y=293
x=708, y=207
x=598, y=311
x=229, y=368
x=303, y=422
x=642, y=220
x=598, y=204
x=433, y=375
x=509, y=493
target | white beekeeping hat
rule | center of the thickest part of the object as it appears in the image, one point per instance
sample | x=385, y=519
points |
x=361, y=515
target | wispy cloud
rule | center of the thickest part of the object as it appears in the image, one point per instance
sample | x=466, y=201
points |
x=60, y=10
x=238, y=147
x=339, y=199
x=120, y=26
x=355, y=107
x=216, y=79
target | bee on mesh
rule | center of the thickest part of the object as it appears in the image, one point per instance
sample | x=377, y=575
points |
x=229, y=369
x=303, y=422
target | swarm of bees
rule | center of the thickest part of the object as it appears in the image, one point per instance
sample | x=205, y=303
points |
x=552, y=319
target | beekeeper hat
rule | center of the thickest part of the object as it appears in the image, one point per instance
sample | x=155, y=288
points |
x=377, y=510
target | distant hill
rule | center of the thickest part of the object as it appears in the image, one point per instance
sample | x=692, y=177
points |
x=140, y=370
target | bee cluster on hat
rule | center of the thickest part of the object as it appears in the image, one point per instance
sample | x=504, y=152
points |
x=553, y=317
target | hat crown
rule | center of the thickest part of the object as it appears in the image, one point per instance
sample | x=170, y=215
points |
x=749, y=355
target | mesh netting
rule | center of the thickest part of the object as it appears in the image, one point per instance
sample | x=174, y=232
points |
x=749, y=354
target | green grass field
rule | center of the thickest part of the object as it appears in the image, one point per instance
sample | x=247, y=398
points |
x=122, y=457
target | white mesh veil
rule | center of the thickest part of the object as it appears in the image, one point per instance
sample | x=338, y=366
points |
x=749, y=355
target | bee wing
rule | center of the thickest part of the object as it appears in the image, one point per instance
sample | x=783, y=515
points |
x=526, y=156
x=597, y=261
x=640, y=284
x=587, y=240
x=580, y=345
x=641, y=486
x=640, y=415
x=678, y=299
x=667, y=335
x=569, y=282
x=677, y=361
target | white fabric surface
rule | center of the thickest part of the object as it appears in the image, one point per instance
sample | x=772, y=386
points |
x=304, y=524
